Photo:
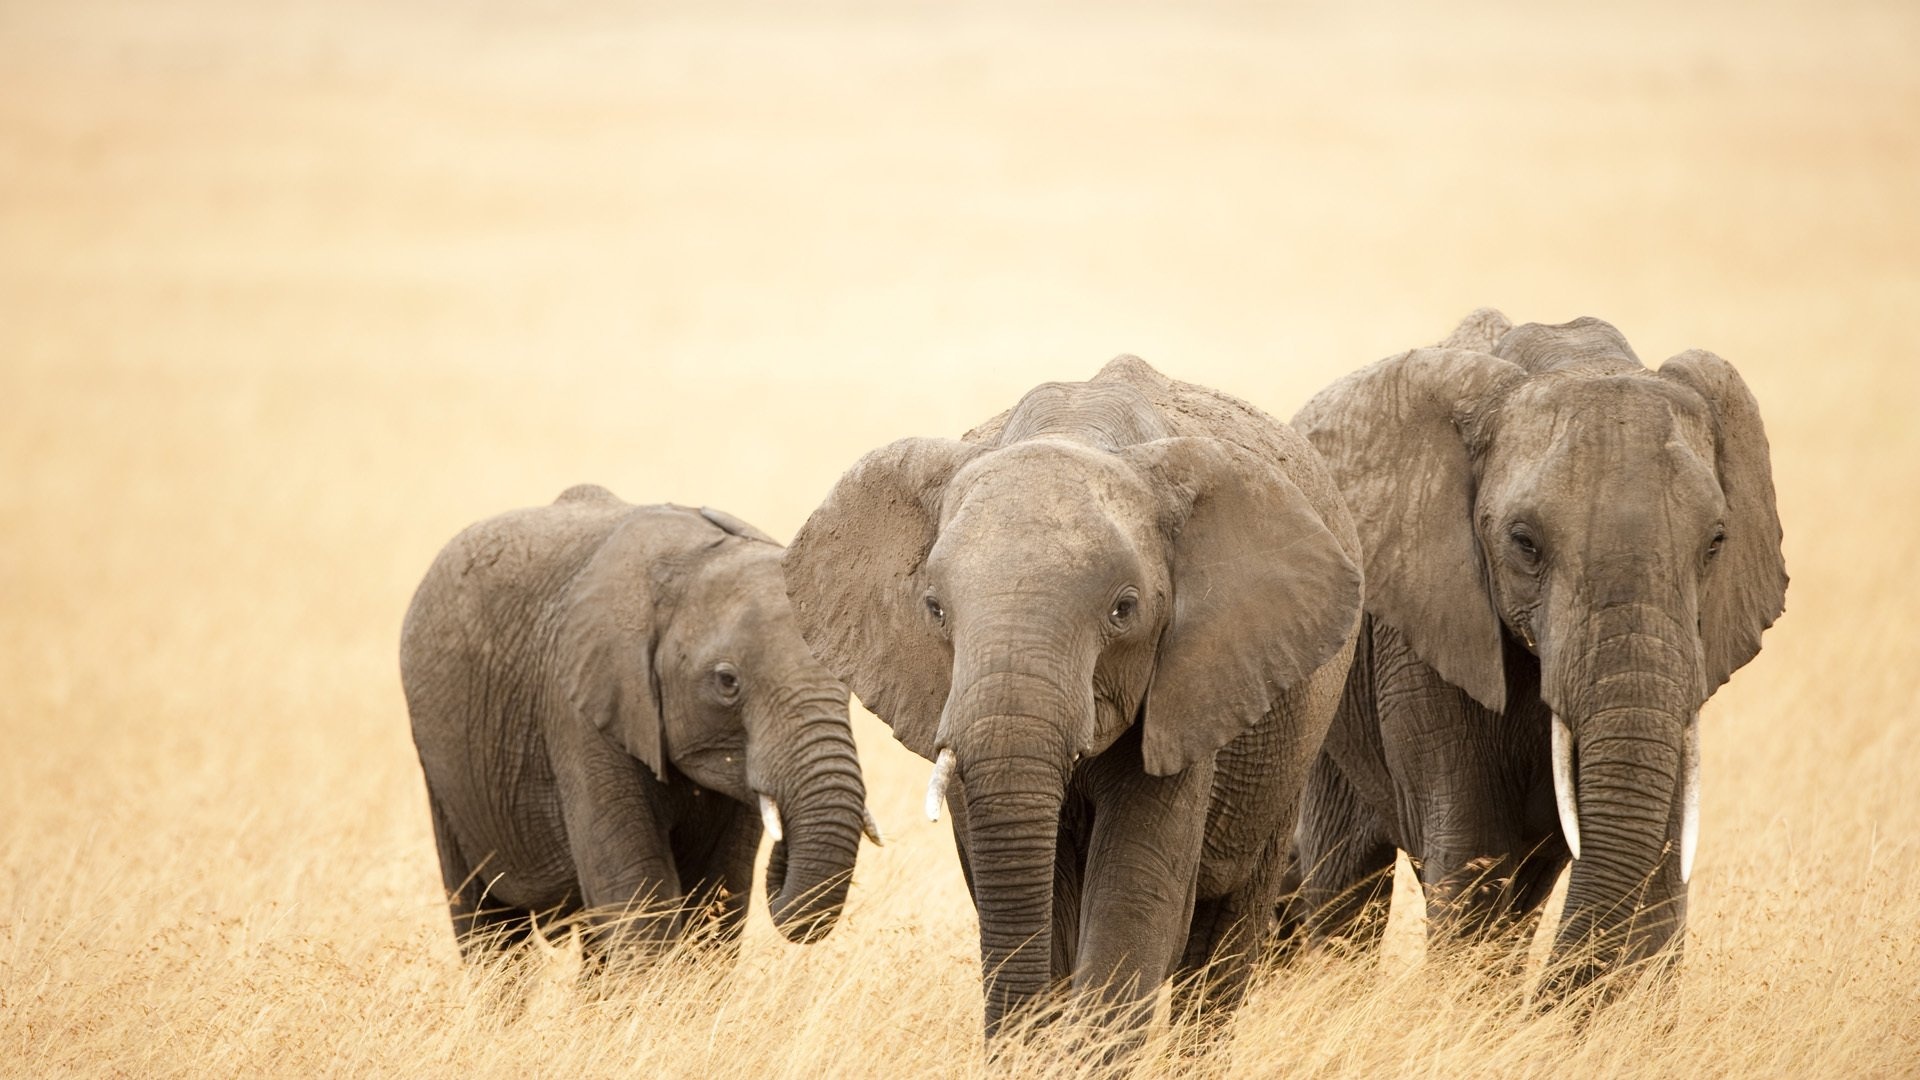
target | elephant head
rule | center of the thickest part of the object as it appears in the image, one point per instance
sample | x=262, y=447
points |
x=689, y=659
x=1619, y=525
x=1011, y=608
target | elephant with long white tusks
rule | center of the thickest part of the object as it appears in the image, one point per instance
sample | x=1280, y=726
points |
x=611, y=703
x=1566, y=554
x=1116, y=619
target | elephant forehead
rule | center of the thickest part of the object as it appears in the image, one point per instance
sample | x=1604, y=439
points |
x=1615, y=416
x=735, y=594
x=1055, y=503
x=1048, y=474
x=1620, y=441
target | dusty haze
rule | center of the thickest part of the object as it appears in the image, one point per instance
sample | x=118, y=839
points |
x=289, y=293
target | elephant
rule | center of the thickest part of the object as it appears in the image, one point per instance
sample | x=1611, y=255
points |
x=1566, y=555
x=609, y=702
x=1116, y=618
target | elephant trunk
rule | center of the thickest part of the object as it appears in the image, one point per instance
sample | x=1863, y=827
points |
x=1019, y=708
x=818, y=802
x=1013, y=819
x=1629, y=704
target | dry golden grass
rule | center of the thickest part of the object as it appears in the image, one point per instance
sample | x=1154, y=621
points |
x=291, y=292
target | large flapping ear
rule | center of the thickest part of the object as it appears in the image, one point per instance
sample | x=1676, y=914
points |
x=606, y=641
x=1392, y=434
x=1746, y=587
x=856, y=576
x=1262, y=596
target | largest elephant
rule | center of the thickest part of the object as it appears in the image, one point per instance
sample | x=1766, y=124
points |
x=608, y=701
x=1117, y=618
x=1566, y=554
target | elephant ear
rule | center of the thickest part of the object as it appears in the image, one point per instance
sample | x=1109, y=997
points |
x=606, y=641
x=1746, y=588
x=856, y=575
x=1262, y=597
x=1393, y=435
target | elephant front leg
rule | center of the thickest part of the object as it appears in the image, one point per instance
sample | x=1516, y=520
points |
x=481, y=926
x=1142, y=863
x=714, y=857
x=618, y=831
x=1227, y=935
x=1343, y=872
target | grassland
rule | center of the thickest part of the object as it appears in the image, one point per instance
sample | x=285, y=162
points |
x=291, y=292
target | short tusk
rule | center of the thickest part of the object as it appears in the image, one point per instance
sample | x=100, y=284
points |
x=937, y=783
x=1689, y=798
x=770, y=817
x=871, y=828
x=1565, y=797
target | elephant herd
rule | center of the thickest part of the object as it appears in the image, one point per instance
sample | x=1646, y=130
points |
x=1188, y=677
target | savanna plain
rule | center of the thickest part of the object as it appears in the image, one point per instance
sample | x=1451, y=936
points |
x=291, y=292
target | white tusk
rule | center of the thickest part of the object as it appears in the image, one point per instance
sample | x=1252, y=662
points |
x=937, y=783
x=770, y=817
x=1689, y=798
x=1565, y=796
x=871, y=828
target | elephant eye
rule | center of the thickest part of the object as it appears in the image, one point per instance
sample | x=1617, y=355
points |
x=1524, y=543
x=1719, y=537
x=934, y=609
x=1124, y=608
x=726, y=678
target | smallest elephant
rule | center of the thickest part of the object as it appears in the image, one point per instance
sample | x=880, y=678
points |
x=608, y=701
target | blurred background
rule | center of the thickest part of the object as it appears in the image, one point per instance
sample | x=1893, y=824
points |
x=290, y=292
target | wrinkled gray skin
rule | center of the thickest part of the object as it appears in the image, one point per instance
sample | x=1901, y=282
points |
x=1550, y=528
x=1127, y=606
x=599, y=693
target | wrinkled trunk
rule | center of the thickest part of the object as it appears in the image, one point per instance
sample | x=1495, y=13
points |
x=1010, y=733
x=821, y=797
x=1013, y=817
x=1629, y=697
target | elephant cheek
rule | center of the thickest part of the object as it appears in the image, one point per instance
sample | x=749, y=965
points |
x=718, y=770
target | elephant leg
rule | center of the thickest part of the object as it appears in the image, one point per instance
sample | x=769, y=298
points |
x=1142, y=865
x=480, y=928
x=714, y=856
x=1489, y=896
x=618, y=821
x=1225, y=940
x=1069, y=884
x=1343, y=862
